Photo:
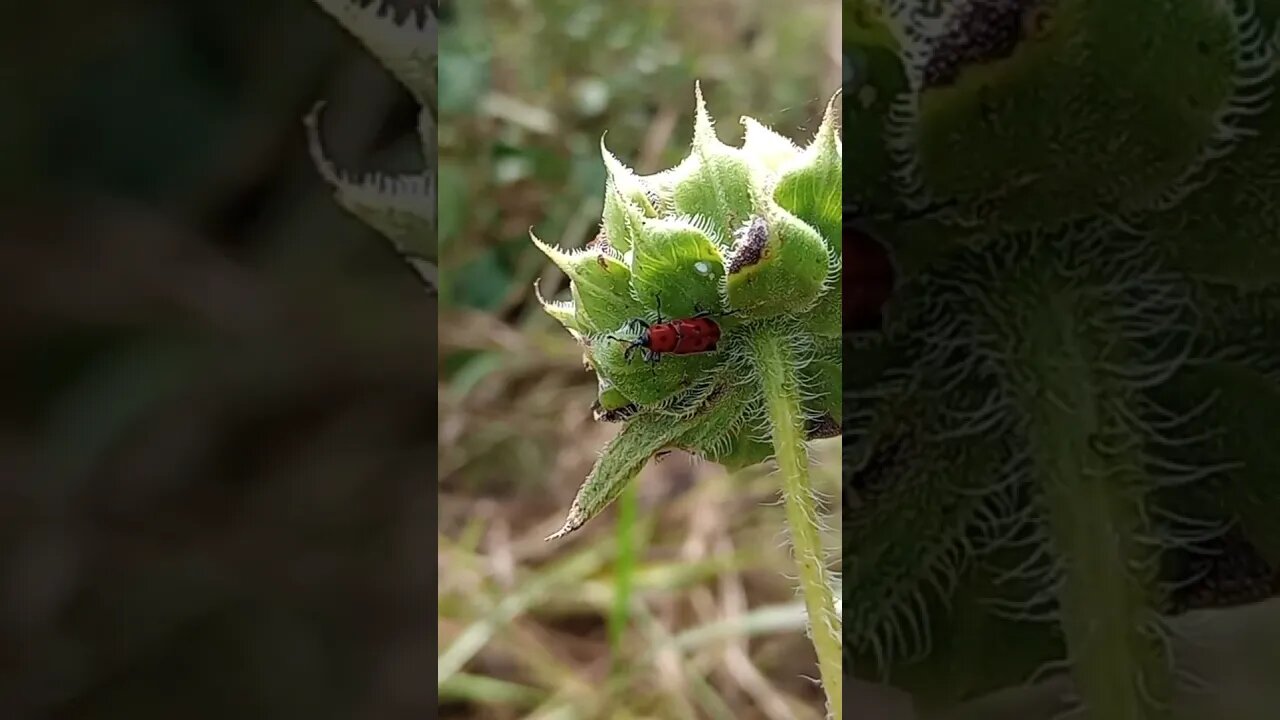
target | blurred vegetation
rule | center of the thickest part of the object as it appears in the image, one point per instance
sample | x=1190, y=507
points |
x=218, y=426
x=709, y=624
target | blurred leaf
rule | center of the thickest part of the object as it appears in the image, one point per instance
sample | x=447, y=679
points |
x=466, y=65
x=481, y=284
x=454, y=202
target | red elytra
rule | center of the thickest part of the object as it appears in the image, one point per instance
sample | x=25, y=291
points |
x=868, y=280
x=682, y=336
x=687, y=336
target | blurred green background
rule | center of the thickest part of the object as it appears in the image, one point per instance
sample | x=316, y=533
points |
x=682, y=608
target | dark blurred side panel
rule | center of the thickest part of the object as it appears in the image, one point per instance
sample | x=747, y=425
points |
x=218, y=395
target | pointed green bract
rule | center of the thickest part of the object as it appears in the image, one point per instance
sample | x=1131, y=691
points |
x=822, y=382
x=611, y=399
x=562, y=310
x=743, y=449
x=601, y=287
x=715, y=183
x=643, y=436
x=674, y=262
x=765, y=147
x=826, y=319
x=809, y=186
x=627, y=203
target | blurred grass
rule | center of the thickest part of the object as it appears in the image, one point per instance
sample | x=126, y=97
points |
x=681, y=605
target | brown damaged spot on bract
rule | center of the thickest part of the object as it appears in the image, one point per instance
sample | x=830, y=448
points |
x=982, y=31
x=600, y=242
x=1234, y=574
x=752, y=246
x=823, y=427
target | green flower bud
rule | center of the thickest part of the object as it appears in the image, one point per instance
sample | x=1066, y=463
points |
x=693, y=264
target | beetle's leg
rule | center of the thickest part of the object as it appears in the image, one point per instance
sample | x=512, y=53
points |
x=701, y=312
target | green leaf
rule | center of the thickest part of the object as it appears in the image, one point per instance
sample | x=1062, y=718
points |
x=611, y=405
x=642, y=436
x=827, y=315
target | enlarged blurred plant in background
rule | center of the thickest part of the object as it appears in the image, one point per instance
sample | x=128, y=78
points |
x=732, y=255
x=401, y=207
x=1056, y=449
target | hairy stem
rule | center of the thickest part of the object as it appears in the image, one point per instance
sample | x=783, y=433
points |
x=1093, y=490
x=776, y=361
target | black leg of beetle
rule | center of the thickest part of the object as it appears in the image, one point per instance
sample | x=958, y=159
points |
x=657, y=299
x=700, y=312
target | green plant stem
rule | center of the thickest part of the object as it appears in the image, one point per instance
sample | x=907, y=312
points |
x=1093, y=490
x=624, y=573
x=776, y=362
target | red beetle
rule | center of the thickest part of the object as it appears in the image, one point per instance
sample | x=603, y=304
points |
x=868, y=280
x=682, y=336
x=869, y=275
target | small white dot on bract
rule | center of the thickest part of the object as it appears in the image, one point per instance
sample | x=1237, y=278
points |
x=702, y=267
